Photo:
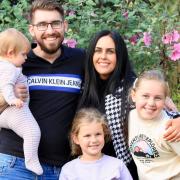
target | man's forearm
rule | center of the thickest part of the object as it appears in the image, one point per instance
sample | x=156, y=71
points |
x=3, y=104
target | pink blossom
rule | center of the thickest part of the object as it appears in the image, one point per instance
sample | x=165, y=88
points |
x=133, y=39
x=147, y=38
x=175, y=36
x=71, y=13
x=177, y=47
x=167, y=38
x=175, y=55
x=70, y=42
x=125, y=15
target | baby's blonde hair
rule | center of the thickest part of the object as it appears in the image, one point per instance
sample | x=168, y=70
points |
x=152, y=75
x=12, y=39
x=87, y=115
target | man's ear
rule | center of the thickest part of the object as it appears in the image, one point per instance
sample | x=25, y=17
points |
x=31, y=30
x=133, y=95
x=65, y=25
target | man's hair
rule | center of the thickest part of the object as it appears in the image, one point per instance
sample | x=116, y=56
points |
x=12, y=39
x=49, y=5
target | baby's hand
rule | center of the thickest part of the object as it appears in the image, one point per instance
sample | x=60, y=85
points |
x=17, y=102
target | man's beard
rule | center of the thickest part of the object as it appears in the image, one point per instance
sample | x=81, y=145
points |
x=47, y=50
x=51, y=50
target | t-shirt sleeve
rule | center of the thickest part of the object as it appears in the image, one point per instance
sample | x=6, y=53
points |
x=125, y=174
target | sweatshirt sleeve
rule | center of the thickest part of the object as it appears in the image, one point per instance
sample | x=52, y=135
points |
x=8, y=77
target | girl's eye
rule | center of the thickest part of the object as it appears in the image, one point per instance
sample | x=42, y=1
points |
x=145, y=96
x=158, y=98
x=87, y=135
x=98, y=134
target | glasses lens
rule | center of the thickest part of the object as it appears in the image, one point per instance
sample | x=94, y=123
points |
x=42, y=26
x=56, y=24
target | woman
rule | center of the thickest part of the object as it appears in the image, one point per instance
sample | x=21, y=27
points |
x=108, y=77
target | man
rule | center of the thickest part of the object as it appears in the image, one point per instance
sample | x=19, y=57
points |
x=54, y=76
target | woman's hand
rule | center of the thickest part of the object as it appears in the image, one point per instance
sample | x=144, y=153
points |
x=21, y=92
x=172, y=133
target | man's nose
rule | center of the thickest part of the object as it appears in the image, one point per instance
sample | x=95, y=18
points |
x=49, y=28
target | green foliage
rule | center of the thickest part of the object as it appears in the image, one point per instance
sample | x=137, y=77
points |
x=86, y=17
x=154, y=17
x=13, y=15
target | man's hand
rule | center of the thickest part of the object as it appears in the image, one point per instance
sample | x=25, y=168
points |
x=21, y=92
x=173, y=130
x=17, y=102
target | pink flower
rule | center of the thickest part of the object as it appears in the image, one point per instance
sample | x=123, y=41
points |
x=125, y=15
x=71, y=13
x=147, y=38
x=167, y=38
x=175, y=36
x=177, y=47
x=175, y=55
x=70, y=42
x=133, y=39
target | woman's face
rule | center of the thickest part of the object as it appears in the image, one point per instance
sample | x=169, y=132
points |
x=104, y=58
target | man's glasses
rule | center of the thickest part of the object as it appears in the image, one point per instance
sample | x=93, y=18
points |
x=43, y=26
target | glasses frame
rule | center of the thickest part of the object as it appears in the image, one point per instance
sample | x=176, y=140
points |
x=39, y=28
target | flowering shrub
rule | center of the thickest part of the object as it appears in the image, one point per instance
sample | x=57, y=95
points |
x=145, y=25
x=172, y=39
x=150, y=29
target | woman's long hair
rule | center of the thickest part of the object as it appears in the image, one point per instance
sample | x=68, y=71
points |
x=123, y=70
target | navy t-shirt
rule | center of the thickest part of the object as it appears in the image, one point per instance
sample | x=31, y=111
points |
x=54, y=92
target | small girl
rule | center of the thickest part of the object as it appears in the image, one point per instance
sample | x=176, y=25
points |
x=14, y=47
x=155, y=157
x=88, y=134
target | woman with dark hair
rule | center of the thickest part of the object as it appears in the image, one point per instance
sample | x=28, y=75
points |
x=108, y=77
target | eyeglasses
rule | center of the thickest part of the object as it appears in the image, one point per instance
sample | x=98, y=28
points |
x=43, y=26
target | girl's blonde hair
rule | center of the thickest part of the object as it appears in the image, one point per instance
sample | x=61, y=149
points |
x=87, y=115
x=152, y=75
x=12, y=39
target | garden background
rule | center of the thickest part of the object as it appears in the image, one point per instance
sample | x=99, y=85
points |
x=150, y=28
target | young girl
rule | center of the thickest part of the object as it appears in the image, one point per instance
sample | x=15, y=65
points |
x=14, y=47
x=154, y=156
x=88, y=134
